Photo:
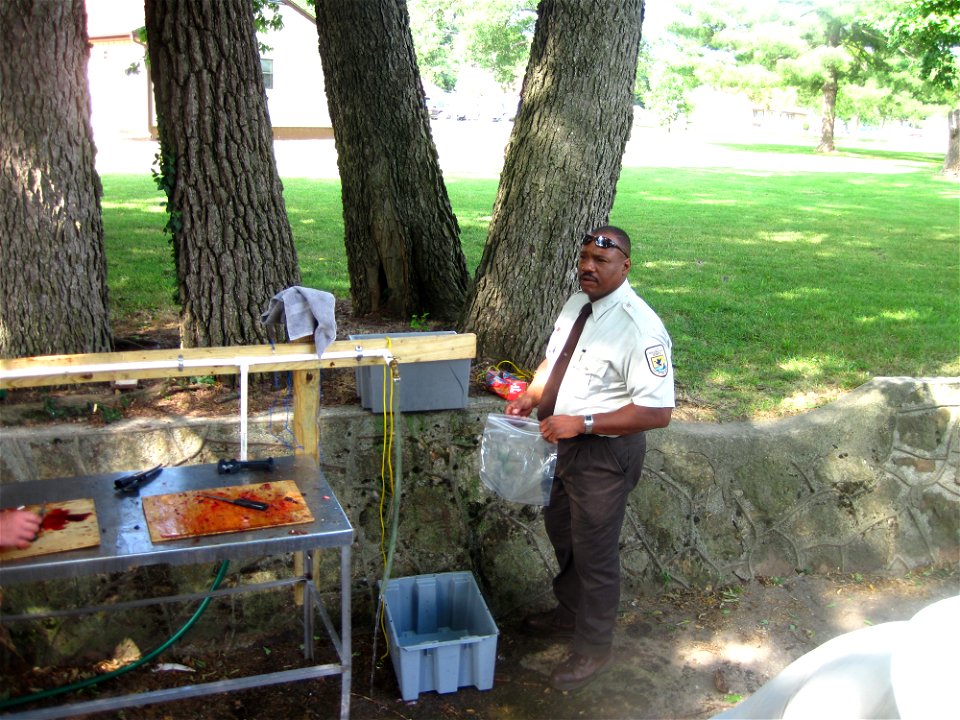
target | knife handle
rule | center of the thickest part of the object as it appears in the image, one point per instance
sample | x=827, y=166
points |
x=228, y=467
x=252, y=504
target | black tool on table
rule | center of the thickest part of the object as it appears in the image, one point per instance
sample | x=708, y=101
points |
x=242, y=502
x=132, y=483
x=228, y=467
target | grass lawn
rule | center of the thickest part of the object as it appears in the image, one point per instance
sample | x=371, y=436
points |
x=784, y=279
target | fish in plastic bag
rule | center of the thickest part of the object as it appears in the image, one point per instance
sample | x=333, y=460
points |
x=515, y=461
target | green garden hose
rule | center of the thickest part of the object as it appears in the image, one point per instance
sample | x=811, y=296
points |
x=53, y=692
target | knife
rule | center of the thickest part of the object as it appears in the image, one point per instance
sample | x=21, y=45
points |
x=41, y=513
x=242, y=502
x=132, y=483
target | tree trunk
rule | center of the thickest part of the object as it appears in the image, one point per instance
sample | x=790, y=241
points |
x=829, y=89
x=951, y=164
x=53, y=297
x=829, y=113
x=233, y=247
x=560, y=173
x=402, y=239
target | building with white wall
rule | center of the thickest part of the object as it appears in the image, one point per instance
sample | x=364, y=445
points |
x=122, y=95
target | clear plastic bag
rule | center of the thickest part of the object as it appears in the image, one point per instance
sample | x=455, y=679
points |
x=515, y=461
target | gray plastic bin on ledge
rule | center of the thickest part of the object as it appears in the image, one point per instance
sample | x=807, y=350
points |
x=433, y=385
x=442, y=636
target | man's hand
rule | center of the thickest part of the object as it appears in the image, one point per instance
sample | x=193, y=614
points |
x=522, y=406
x=525, y=404
x=18, y=528
x=561, y=427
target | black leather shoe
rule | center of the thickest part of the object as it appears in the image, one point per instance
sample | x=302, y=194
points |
x=547, y=624
x=578, y=670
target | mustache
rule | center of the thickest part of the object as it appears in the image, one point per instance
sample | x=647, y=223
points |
x=586, y=275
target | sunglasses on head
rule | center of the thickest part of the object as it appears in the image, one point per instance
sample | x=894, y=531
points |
x=601, y=241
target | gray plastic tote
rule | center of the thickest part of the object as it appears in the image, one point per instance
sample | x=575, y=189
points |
x=515, y=461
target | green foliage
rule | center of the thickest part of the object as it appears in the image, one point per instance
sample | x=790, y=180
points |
x=493, y=35
x=883, y=54
x=165, y=177
x=664, y=81
x=164, y=173
x=266, y=19
x=419, y=322
x=500, y=35
x=928, y=31
x=107, y=413
x=434, y=25
x=781, y=288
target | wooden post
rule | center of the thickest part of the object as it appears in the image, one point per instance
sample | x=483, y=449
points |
x=306, y=404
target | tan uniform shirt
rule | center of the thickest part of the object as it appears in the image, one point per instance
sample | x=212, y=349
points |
x=623, y=356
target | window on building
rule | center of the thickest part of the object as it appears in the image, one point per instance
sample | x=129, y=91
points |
x=267, y=67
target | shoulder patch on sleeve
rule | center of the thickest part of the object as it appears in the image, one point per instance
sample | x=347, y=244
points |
x=657, y=360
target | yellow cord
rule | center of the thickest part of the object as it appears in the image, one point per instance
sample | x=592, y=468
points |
x=386, y=474
x=517, y=371
x=386, y=463
x=520, y=374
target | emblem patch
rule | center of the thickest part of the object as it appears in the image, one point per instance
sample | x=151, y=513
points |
x=657, y=360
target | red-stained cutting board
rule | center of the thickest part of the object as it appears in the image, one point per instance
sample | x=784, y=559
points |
x=188, y=514
x=68, y=525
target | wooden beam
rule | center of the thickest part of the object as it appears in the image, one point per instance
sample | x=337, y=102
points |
x=68, y=369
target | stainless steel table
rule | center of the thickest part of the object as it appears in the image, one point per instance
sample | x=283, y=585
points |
x=125, y=544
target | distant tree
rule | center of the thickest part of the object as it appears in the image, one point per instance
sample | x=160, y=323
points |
x=814, y=46
x=728, y=44
x=499, y=34
x=665, y=77
x=560, y=173
x=841, y=48
x=435, y=28
x=928, y=31
x=233, y=247
x=53, y=292
x=402, y=238
x=493, y=35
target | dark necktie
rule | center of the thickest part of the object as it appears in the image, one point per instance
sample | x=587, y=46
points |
x=548, y=399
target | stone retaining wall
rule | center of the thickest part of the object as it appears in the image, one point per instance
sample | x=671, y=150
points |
x=869, y=483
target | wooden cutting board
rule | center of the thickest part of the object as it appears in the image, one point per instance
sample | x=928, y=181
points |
x=68, y=525
x=187, y=514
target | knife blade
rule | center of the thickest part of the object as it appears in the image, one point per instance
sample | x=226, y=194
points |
x=41, y=513
x=242, y=502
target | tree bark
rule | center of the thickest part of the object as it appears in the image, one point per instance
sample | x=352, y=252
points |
x=831, y=84
x=829, y=119
x=402, y=238
x=951, y=164
x=560, y=173
x=54, y=290
x=233, y=247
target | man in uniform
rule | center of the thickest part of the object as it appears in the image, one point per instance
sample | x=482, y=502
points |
x=607, y=377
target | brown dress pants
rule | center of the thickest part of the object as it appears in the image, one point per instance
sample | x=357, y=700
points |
x=594, y=477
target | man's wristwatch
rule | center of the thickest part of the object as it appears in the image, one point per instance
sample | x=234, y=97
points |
x=587, y=424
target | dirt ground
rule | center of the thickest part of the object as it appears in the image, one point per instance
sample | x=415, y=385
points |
x=678, y=654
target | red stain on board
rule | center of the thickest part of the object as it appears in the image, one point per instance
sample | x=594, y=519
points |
x=188, y=514
x=58, y=518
